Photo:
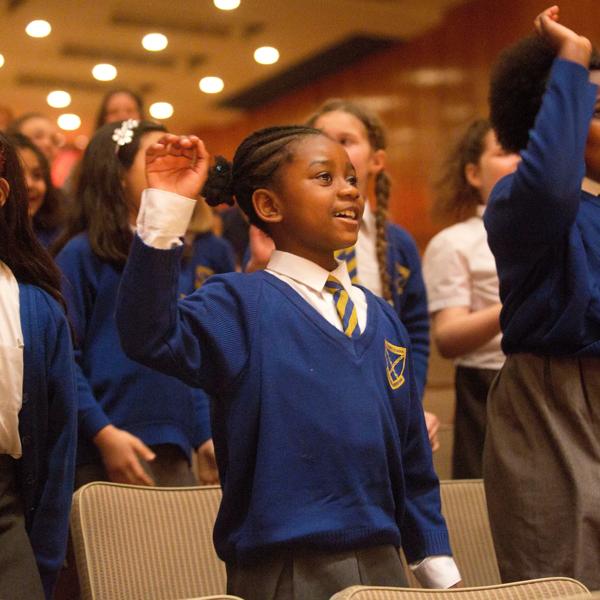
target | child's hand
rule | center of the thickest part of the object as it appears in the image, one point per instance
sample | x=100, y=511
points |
x=120, y=451
x=433, y=426
x=566, y=42
x=177, y=164
x=207, y=464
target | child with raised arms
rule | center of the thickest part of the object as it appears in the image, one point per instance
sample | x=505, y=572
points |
x=38, y=412
x=135, y=425
x=318, y=427
x=542, y=447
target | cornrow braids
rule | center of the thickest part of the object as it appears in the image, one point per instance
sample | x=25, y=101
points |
x=255, y=165
x=377, y=140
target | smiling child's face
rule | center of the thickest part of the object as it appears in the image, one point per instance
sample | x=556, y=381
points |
x=319, y=202
x=592, y=147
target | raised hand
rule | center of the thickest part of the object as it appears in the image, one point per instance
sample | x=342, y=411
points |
x=566, y=42
x=177, y=164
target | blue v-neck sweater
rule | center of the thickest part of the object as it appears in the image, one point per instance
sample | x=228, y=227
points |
x=320, y=438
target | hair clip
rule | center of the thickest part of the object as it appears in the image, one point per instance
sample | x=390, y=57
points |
x=124, y=134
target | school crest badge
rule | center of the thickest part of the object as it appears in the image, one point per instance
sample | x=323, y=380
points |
x=395, y=361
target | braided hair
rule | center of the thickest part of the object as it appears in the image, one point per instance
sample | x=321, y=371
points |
x=255, y=165
x=378, y=141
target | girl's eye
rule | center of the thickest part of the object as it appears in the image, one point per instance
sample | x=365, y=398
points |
x=352, y=180
x=325, y=176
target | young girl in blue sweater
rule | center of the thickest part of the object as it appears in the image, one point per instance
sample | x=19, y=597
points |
x=39, y=403
x=319, y=432
x=542, y=447
x=130, y=428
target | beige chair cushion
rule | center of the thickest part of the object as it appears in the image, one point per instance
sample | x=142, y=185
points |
x=146, y=543
x=536, y=589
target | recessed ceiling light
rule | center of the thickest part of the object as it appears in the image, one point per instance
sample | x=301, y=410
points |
x=226, y=4
x=1, y=60
x=38, y=29
x=161, y=110
x=104, y=72
x=211, y=85
x=69, y=122
x=58, y=99
x=266, y=55
x=155, y=42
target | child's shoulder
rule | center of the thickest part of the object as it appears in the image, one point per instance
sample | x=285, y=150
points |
x=78, y=245
x=400, y=239
x=35, y=299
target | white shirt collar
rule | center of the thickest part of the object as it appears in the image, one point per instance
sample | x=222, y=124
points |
x=307, y=272
x=368, y=220
x=590, y=186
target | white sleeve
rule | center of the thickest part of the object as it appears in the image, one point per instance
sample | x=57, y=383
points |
x=436, y=572
x=163, y=218
x=446, y=274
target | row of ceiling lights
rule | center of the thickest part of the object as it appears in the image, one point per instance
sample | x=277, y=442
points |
x=153, y=42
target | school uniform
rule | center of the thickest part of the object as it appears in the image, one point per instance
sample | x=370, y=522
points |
x=460, y=271
x=167, y=415
x=409, y=297
x=321, y=443
x=46, y=236
x=37, y=439
x=542, y=451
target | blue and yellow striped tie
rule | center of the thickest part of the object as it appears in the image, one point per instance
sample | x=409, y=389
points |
x=344, y=306
x=349, y=256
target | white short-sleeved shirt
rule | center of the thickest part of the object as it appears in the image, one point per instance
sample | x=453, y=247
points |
x=11, y=363
x=459, y=270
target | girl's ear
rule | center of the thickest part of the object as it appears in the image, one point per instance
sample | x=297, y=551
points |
x=377, y=163
x=4, y=191
x=472, y=175
x=267, y=206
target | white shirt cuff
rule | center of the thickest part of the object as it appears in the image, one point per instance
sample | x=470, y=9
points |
x=163, y=218
x=436, y=572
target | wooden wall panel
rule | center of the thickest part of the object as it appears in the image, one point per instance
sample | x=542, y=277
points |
x=425, y=90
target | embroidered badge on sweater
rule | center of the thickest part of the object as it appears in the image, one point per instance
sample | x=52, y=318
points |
x=395, y=361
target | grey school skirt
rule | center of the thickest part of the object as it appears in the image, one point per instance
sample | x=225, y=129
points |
x=542, y=467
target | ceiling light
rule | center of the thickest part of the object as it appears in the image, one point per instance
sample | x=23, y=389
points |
x=226, y=4
x=155, y=42
x=58, y=99
x=266, y=55
x=104, y=72
x=1, y=60
x=161, y=110
x=211, y=85
x=38, y=29
x=69, y=122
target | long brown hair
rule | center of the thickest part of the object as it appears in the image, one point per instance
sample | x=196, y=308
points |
x=378, y=141
x=19, y=248
x=455, y=198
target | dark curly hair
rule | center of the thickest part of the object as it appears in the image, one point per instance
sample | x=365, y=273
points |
x=255, y=165
x=518, y=83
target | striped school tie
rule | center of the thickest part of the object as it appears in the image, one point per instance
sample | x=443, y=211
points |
x=344, y=306
x=349, y=256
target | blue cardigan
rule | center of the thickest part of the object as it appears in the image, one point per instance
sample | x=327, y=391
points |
x=113, y=389
x=48, y=428
x=409, y=296
x=545, y=232
x=320, y=438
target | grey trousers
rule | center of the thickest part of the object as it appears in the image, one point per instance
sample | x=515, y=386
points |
x=19, y=575
x=316, y=575
x=542, y=467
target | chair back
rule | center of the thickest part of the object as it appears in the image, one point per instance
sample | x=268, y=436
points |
x=465, y=511
x=145, y=543
x=535, y=589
